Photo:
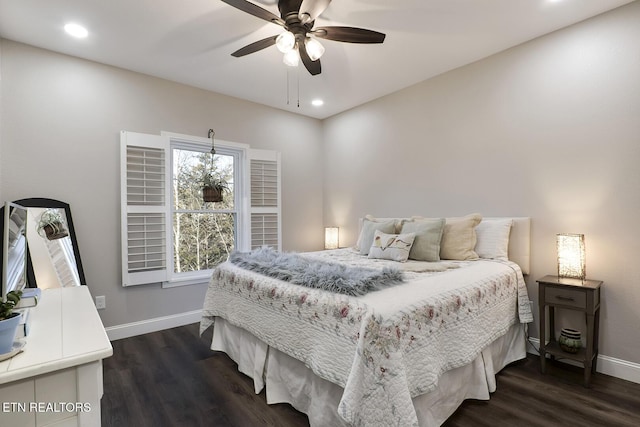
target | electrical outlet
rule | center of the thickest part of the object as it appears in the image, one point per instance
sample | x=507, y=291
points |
x=101, y=302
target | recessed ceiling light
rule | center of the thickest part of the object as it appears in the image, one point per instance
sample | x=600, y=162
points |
x=76, y=30
x=317, y=102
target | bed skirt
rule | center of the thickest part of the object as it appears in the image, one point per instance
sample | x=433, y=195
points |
x=288, y=380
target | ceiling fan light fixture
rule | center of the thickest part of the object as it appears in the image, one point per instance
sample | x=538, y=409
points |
x=314, y=48
x=291, y=58
x=304, y=18
x=285, y=41
x=298, y=18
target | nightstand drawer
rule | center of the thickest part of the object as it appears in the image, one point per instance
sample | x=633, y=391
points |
x=567, y=297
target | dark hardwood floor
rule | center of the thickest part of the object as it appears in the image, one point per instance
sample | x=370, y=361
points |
x=171, y=378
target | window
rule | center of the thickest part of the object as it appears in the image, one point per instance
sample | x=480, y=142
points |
x=204, y=233
x=169, y=234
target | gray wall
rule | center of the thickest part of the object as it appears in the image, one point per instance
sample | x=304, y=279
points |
x=61, y=118
x=549, y=129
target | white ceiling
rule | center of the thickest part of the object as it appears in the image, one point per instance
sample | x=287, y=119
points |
x=190, y=41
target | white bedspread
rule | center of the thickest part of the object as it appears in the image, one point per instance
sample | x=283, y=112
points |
x=387, y=346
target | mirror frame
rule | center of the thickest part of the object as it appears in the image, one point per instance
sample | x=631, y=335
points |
x=39, y=202
x=2, y=264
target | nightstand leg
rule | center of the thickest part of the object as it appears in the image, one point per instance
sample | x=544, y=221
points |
x=588, y=363
x=552, y=327
x=542, y=333
x=596, y=333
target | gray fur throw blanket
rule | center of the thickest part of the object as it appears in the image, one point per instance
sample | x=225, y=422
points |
x=297, y=269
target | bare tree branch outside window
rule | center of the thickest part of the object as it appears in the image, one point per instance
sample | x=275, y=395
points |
x=203, y=233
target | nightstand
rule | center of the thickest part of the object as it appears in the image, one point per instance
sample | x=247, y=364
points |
x=573, y=294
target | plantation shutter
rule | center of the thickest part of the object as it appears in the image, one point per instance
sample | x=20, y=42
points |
x=265, y=199
x=145, y=182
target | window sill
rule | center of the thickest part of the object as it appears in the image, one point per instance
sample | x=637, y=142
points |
x=200, y=280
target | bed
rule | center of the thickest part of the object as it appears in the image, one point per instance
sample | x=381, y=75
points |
x=406, y=355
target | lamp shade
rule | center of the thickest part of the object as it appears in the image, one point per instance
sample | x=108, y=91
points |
x=331, y=237
x=291, y=58
x=314, y=48
x=571, y=256
x=285, y=41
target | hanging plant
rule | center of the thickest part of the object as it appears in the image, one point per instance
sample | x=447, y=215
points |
x=51, y=225
x=213, y=188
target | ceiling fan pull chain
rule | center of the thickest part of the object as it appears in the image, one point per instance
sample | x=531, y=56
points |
x=288, y=86
x=298, y=79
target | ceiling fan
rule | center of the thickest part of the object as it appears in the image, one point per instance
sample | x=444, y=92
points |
x=298, y=41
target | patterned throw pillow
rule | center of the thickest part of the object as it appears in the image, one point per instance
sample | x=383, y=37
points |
x=367, y=233
x=395, y=247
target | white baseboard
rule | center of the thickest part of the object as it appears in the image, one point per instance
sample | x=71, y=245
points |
x=152, y=325
x=618, y=368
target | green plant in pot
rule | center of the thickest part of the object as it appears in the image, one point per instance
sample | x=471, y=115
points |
x=9, y=320
x=213, y=188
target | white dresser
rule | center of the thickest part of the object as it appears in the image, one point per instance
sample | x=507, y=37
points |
x=57, y=379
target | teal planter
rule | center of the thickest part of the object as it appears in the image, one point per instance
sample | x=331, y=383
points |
x=8, y=329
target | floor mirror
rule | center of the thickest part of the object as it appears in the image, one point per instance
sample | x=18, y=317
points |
x=54, y=258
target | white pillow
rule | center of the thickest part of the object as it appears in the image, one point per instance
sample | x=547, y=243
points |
x=493, y=238
x=395, y=247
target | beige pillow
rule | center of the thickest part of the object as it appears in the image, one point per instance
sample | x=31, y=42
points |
x=426, y=246
x=369, y=227
x=459, y=238
x=395, y=247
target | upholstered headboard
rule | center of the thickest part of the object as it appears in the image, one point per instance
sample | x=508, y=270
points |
x=519, y=240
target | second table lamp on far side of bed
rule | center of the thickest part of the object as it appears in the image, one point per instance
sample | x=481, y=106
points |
x=331, y=237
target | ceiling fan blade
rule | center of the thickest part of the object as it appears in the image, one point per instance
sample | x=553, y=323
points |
x=313, y=67
x=255, y=46
x=311, y=9
x=255, y=10
x=349, y=34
